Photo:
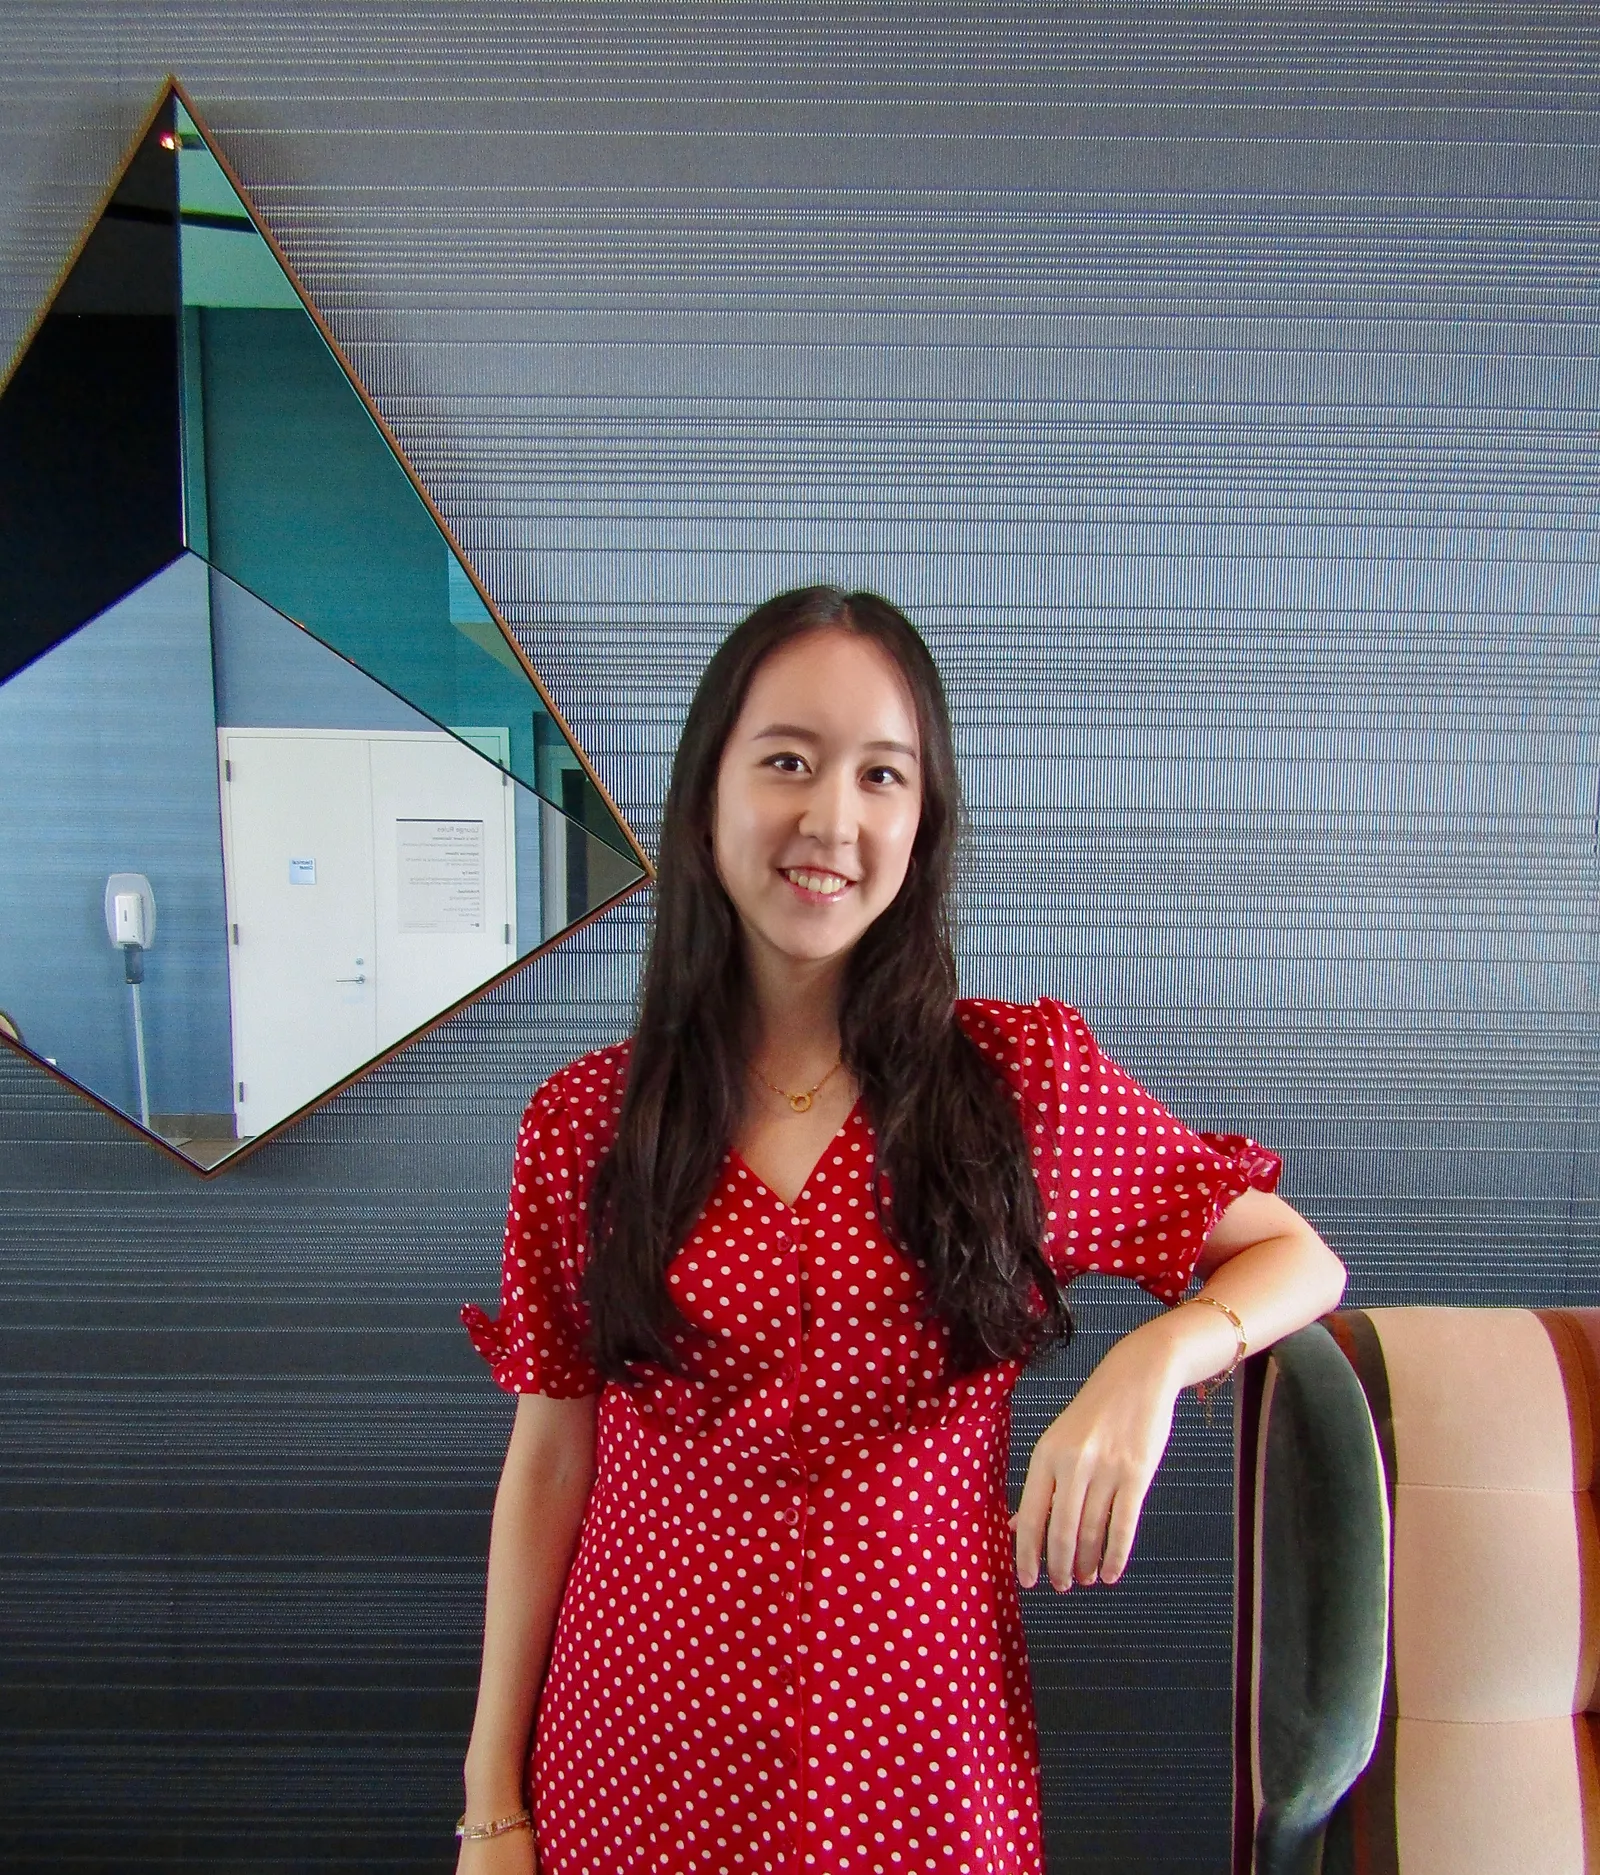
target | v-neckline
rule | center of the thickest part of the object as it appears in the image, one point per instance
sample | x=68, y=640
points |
x=738, y=1159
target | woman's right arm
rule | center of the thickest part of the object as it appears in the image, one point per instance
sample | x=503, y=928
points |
x=538, y=1512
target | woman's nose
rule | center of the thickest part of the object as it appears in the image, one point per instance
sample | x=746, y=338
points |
x=830, y=810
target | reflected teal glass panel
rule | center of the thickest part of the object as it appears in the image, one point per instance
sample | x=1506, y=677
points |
x=293, y=491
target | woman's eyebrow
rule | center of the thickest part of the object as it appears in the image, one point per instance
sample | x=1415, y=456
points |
x=793, y=732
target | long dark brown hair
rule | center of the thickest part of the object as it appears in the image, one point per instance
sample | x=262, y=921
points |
x=953, y=1181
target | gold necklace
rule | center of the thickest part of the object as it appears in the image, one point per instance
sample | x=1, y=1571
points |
x=799, y=1103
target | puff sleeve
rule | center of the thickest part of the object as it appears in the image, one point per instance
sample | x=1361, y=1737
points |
x=536, y=1344
x=1137, y=1191
x=1127, y=1187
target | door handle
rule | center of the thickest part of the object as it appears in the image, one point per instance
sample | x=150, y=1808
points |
x=349, y=979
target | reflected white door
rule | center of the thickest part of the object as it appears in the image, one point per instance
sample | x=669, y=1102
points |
x=371, y=884
x=297, y=860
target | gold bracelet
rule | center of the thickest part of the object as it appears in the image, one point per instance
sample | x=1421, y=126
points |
x=481, y=1832
x=1205, y=1388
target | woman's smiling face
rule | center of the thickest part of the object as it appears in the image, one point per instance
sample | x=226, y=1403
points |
x=818, y=795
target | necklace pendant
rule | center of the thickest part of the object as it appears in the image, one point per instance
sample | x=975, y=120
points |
x=800, y=1103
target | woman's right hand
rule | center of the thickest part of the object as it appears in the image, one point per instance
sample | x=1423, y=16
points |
x=510, y=1854
x=538, y=1521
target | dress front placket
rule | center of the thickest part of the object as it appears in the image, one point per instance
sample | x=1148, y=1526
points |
x=812, y=1253
x=790, y=1498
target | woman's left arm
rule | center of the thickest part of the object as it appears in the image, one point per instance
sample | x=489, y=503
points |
x=1092, y=1466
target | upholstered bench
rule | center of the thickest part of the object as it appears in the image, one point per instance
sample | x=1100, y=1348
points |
x=1418, y=1613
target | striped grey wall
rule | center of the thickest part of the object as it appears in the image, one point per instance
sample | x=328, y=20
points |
x=1217, y=385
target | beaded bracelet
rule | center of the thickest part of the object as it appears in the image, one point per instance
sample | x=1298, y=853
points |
x=1205, y=1388
x=481, y=1832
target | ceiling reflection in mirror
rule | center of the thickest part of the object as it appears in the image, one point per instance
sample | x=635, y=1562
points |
x=276, y=788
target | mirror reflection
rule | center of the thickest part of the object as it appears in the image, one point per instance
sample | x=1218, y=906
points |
x=89, y=446
x=178, y=393
x=242, y=868
x=291, y=488
x=276, y=787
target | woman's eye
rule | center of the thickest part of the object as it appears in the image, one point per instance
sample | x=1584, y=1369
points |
x=884, y=776
x=788, y=764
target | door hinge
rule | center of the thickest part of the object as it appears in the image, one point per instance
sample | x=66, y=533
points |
x=241, y=1090
x=227, y=769
x=235, y=934
x=507, y=938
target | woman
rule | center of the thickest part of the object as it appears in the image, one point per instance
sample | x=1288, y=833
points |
x=771, y=1271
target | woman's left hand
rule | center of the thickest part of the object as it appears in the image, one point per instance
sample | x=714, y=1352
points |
x=1093, y=1464
x=1090, y=1471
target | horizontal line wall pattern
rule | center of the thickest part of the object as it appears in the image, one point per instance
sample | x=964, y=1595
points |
x=1219, y=388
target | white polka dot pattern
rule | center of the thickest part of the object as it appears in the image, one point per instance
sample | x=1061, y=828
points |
x=790, y=1640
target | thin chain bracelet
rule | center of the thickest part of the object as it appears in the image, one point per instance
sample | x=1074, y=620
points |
x=1204, y=1389
x=482, y=1832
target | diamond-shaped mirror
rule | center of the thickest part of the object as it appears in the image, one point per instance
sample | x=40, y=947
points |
x=277, y=788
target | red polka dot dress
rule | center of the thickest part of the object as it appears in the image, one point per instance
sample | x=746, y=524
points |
x=790, y=1640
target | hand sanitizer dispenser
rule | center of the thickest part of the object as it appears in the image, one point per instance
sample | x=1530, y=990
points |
x=131, y=926
x=130, y=913
x=128, y=927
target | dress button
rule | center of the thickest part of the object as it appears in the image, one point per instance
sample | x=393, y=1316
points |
x=788, y=1516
